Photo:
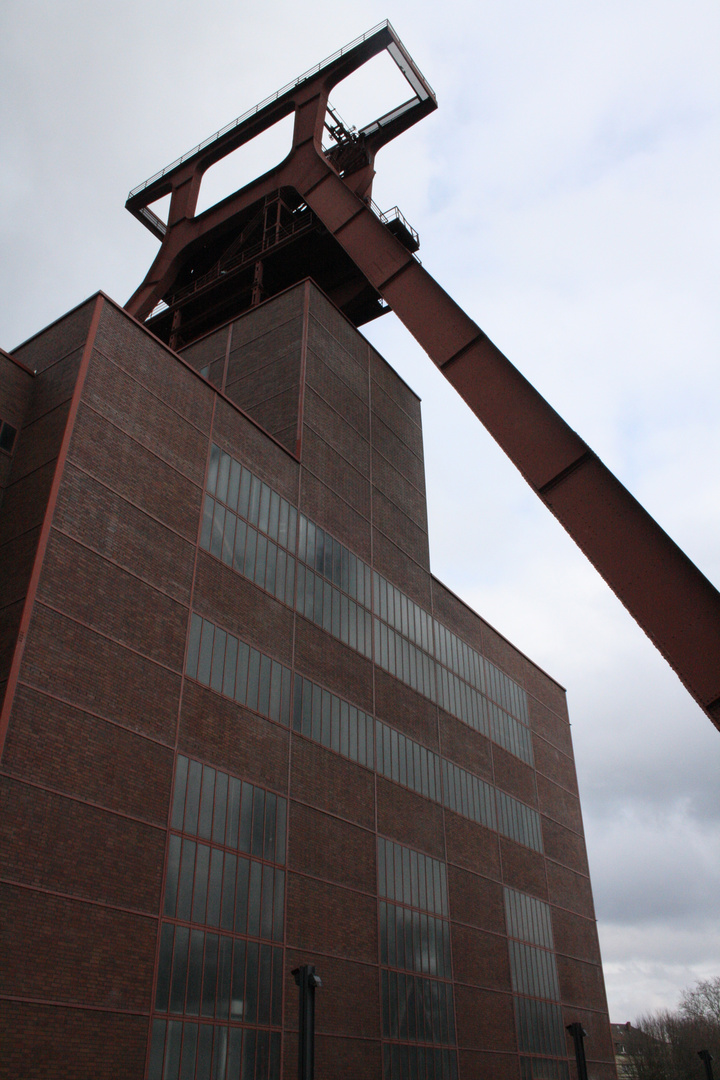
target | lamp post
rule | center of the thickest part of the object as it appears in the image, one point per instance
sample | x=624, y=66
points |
x=307, y=981
x=578, y=1035
x=707, y=1058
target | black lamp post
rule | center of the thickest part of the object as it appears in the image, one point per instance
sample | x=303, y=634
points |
x=707, y=1059
x=307, y=981
x=578, y=1034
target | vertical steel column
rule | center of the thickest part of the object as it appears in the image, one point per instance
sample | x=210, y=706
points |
x=578, y=1035
x=707, y=1059
x=306, y=980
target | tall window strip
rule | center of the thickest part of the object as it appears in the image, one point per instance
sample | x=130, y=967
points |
x=334, y=723
x=418, y=1012
x=411, y=877
x=533, y=971
x=528, y=919
x=218, y=1001
x=232, y=667
x=262, y=536
x=543, y=1069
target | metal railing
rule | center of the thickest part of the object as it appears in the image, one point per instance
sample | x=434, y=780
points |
x=257, y=108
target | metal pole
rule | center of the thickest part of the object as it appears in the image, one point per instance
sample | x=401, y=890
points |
x=707, y=1059
x=578, y=1034
x=307, y=981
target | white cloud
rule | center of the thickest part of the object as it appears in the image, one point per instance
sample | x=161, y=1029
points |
x=565, y=194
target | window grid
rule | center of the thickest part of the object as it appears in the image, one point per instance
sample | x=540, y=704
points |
x=253, y=529
x=540, y=1028
x=181, y=1049
x=533, y=972
x=410, y=877
x=233, y=668
x=543, y=1069
x=414, y=941
x=333, y=722
x=417, y=1010
x=528, y=919
x=218, y=965
x=407, y=762
x=224, y=663
x=423, y=1062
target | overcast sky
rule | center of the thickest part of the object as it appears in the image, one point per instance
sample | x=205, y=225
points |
x=566, y=195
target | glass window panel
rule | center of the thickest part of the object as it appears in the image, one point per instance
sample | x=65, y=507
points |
x=273, y=710
x=228, y=545
x=274, y=515
x=352, y=624
x=253, y=679
x=335, y=612
x=264, y=989
x=276, y=1013
x=254, y=502
x=282, y=531
x=206, y=803
x=278, y=906
x=172, y=876
x=192, y=803
x=194, y=977
x=227, y=910
x=290, y=584
x=245, y=836
x=239, y=550
x=181, y=774
x=218, y=662
x=292, y=529
x=251, y=982
x=344, y=736
x=244, y=494
x=202, y=866
x=221, y=791
x=328, y=561
x=213, y=468
x=193, y=645
x=319, y=561
x=214, y=896
x=258, y=822
x=260, y=559
x=316, y=712
x=223, y=477
x=306, y=727
x=264, y=693
x=218, y=528
x=167, y=938
x=210, y=972
x=237, y=998
x=270, y=568
x=352, y=575
x=302, y=538
x=310, y=544
x=268, y=902
x=179, y=973
x=250, y=548
x=335, y=724
x=242, y=672
x=285, y=697
x=185, y=886
x=280, y=825
x=241, y=895
x=205, y=656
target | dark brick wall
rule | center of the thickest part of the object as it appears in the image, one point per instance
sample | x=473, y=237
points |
x=101, y=706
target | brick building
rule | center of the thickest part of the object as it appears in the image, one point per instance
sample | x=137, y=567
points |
x=244, y=728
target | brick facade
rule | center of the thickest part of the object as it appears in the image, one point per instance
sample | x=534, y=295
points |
x=102, y=569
